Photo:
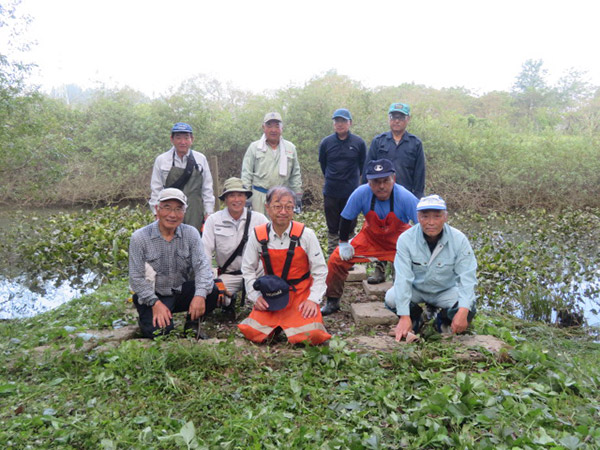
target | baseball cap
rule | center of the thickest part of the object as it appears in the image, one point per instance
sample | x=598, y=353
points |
x=275, y=290
x=172, y=194
x=400, y=107
x=272, y=116
x=379, y=168
x=181, y=127
x=431, y=202
x=343, y=113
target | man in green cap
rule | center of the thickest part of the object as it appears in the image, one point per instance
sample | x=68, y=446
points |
x=405, y=150
x=226, y=233
x=271, y=161
x=187, y=170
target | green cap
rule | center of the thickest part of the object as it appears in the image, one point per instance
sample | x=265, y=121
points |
x=400, y=107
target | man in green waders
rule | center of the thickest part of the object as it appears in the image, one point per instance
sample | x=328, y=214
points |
x=187, y=170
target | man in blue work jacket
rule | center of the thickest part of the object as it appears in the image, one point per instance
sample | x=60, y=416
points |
x=434, y=264
x=405, y=150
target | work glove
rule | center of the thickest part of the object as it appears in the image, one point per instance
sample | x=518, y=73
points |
x=346, y=251
x=248, y=203
x=298, y=207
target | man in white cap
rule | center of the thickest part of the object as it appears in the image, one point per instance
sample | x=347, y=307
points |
x=435, y=265
x=271, y=161
x=187, y=170
x=168, y=269
x=226, y=233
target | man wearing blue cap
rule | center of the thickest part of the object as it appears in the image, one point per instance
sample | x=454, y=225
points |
x=405, y=150
x=342, y=157
x=388, y=208
x=434, y=264
x=185, y=169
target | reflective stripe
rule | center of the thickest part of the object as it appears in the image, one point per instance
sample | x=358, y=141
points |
x=289, y=332
x=265, y=329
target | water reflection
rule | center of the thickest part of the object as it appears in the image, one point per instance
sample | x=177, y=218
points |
x=17, y=300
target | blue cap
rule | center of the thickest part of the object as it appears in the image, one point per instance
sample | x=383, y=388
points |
x=181, y=127
x=431, y=202
x=275, y=290
x=400, y=107
x=343, y=113
x=379, y=168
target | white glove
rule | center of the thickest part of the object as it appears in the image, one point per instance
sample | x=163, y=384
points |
x=346, y=251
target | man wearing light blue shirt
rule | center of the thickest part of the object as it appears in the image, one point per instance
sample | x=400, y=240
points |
x=434, y=264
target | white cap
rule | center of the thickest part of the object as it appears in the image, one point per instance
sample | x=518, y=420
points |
x=172, y=194
x=431, y=202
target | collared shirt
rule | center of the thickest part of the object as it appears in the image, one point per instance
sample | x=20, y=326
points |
x=167, y=160
x=452, y=263
x=222, y=235
x=308, y=242
x=407, y=156
x=260, y=167
x=175, y=262
x=405, y=204
x=342, y=163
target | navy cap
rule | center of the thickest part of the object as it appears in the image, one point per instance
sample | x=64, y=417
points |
x=181, y=127
x=275, y=290
x=343, y=113
x=380, y=168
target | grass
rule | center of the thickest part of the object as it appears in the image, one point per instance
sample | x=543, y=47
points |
x=172, y=393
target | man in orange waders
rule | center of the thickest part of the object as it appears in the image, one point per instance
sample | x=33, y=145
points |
x=291, y=258
x=388, y=208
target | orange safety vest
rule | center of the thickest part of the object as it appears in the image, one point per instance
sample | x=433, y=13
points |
x=260, y=324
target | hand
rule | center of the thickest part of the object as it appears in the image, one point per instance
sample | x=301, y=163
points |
x=308, y=308
x=161, y=315
x=403, y=328
x=298, y=207
x=261, y=304
x=346, y=251
x=460, y=323
x=222, y=296
x=197, y=307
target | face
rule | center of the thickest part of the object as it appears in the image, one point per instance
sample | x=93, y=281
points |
x=382, y=187
x=432, y=221
x=398, y=122
x=281, y=211
x=272, y=130
x=235, y=202
x=170, y=214
x=182, y=142
x=341, y=125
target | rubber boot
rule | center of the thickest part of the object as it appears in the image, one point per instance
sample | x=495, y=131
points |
x=379, y=273
x=333, y=305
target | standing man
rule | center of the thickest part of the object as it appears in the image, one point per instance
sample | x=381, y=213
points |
x=342, y=158
x=185, y=169
x=226, y=233
x=271, y=161
x=168, y=269
x=388, y=208
x=405, y=150
x=434, y=264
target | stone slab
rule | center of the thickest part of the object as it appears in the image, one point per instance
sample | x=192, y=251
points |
x=372, y=313
x=357, y=274
x=377, y=290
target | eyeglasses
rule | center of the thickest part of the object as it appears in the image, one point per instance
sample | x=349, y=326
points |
x=277, y=208
x=399, y=117
x=169, y=210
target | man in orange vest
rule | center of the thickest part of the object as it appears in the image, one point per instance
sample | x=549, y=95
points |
x=288, y=296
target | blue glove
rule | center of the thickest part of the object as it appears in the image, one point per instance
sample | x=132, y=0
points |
x=346, y=251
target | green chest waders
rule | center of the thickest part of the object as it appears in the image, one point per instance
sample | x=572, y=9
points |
x=194, y=215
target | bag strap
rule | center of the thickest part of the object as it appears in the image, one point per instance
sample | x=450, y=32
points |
x=187, y=172
x=240, y=248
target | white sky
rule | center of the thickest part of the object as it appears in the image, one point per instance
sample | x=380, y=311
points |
x=152, y=45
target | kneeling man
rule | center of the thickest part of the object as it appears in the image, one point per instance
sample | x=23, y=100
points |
x=434, y=264
x=169, y=270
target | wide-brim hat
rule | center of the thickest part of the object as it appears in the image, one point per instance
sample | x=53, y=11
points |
x=275, y=290
x=234, y=184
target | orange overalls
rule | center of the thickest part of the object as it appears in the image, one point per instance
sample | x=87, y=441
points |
x=376, y=241
x=260, y=324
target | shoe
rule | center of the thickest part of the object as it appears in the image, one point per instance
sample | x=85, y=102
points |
x=378, y=275
x=333, y=305
x=194, y=325
x=442, y=325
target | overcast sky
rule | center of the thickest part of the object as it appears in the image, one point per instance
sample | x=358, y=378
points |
x=153, y=45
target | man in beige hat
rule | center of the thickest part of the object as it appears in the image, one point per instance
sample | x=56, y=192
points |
x=271, y=161
x=225, y=235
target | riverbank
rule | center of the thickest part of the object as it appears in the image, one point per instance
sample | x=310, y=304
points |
x=174, y=393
